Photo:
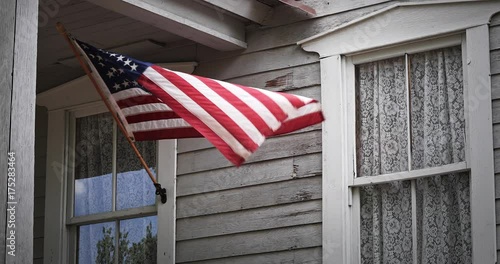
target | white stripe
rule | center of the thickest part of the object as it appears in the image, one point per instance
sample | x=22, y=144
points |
x=232, y=112
x=304, y=110
x=253, y=103
x=159, y=124
x=145, y=108
x=129, y=93
x=197, y=111
x=280, y=100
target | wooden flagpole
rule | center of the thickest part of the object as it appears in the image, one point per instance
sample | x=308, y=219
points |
x=159, y=190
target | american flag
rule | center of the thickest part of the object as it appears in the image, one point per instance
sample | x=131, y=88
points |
x=155, y=103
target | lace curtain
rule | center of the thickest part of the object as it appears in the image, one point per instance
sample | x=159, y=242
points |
x=437, y=131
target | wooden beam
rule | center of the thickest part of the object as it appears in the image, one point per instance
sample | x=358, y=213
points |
x=185, y=18
x=7, y=18
x=250, y=9
x=17, y=116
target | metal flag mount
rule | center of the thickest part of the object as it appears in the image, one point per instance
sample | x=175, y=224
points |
x=162, y=192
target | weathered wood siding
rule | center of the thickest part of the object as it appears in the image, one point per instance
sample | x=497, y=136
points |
x=18, y=36
x=495, y=95
x=269, y=209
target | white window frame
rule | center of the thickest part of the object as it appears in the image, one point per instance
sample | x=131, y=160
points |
x=79, y=98
x=393, y=30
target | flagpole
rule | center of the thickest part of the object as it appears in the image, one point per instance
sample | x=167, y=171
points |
x=159, y=190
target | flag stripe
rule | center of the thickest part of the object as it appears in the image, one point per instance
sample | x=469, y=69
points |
x=182, y=132
x=159, y=124
x=236, y=124
x=151, y=116
x=205, y=124
x=128, y=93
x=148, y=108
x=138, y=100
x=270, y=104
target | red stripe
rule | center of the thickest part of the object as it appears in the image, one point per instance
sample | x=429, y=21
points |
x=300, y=122
x=293, y=99
x=228, y=123
x=138, y=100
x=269, y=103
x=171, y=133
x=151, y=116
x=192, y=120
x=243, y=107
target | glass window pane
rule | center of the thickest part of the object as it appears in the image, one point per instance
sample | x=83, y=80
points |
x=386, y=223
x=382, y=133
x=93, y=164
x=138, y=239
x=134, y=187
x=437, y=108
x=96, y=243
x=444, y=221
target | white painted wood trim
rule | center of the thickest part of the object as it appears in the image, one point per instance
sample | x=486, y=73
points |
x=334, y=183
x=250, y=9
x=167, y=164
x=187, y=19
x=110, y=216
x=55, y=206
x=482, y=182
x=410, y=175
x=401, y=23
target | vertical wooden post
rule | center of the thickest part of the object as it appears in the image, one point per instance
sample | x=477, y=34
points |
x=17, y=126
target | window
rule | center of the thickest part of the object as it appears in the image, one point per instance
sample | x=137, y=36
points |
x=408, y=181
x=113, y=209
x=410, y=118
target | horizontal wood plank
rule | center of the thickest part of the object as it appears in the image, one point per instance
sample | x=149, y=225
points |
x=249, y=220
x=294, y=256
x=283, y=79
x=495, y=61
x=273, y=148
x=286, y=15
x=497, y=160
x=249, y=174
x=268, y=60
x=249, y=243
x=495, y=86
x=494, y=37
x=272, y=194
x=495, y=105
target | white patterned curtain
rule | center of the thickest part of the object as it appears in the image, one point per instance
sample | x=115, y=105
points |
x=437, y=130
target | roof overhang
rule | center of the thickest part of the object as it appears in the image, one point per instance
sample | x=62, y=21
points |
x=186, y=18
x=402, y=22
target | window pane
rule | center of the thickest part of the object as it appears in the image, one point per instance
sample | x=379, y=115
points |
x=386, y=223
x=444, y=221
x=138, y=240
x=437, y=108
x=96, y=243
x=382, y=119
x=93, y=164
x=134, y=187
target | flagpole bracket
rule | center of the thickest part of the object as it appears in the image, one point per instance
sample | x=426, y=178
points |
x=162, y=192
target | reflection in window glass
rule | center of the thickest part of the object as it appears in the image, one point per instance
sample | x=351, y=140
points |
x=93, y=164
x=138, y=239
x=134, y=187
x=96, y=243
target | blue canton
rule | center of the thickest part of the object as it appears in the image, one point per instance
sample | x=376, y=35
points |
x=118, y=72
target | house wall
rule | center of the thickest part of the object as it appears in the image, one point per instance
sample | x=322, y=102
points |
x=269, y=209
x=495, y=95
